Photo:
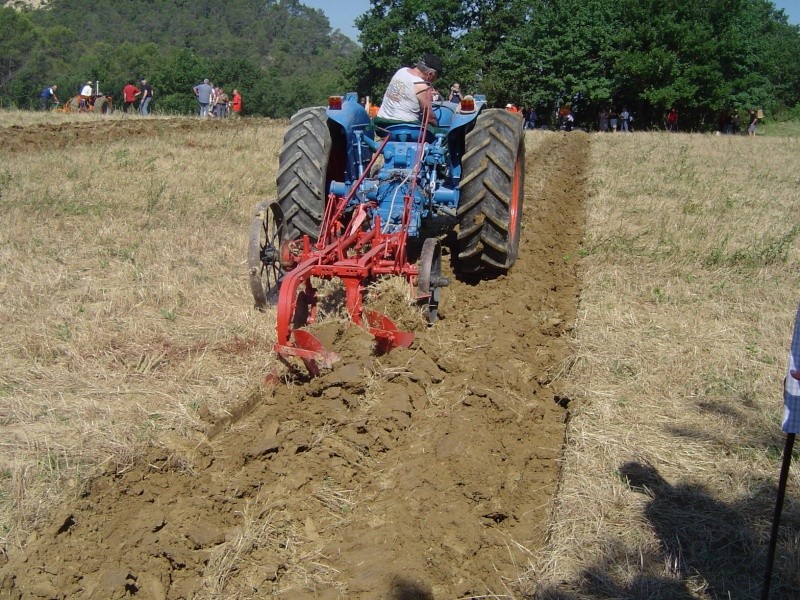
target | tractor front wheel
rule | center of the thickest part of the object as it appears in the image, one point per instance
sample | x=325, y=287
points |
x=311, y=156
x=490, y=207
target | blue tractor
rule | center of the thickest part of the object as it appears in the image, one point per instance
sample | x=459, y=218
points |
x=361, y=198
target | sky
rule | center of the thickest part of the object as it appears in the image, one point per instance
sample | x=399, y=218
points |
x=342, y=13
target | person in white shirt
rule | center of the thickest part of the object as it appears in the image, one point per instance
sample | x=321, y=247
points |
x=409, y=95
x=86, y=93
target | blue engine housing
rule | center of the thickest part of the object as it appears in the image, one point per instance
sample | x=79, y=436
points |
x=435, y=185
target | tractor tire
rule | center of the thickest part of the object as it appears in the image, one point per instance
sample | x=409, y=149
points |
x=492, y=188
x=102, y=106
x=312, y=155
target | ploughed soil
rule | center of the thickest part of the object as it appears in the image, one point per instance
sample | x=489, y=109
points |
x=428, y=472
x=48, y=136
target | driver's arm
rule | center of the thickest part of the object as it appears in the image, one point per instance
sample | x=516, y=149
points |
x=424, y=93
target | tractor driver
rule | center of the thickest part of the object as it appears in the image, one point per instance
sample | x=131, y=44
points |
x=85, y=95
x=408, y=97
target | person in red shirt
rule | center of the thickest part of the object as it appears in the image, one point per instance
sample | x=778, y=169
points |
x=672, y=120
x=129, y=94
x=236, y=103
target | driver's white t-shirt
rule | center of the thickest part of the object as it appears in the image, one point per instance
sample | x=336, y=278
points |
x=400, y=101
x=87, y=90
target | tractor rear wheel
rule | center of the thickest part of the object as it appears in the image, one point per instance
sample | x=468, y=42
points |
x=102, y=106
x=313, y=154
x=492, y=187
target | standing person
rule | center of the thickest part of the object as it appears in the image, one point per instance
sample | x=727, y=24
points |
x=602, y=124
x=48, y=97
x=129, y=94
x=236, y=103
x=408, y=96
x=562, y=116
x=613, y=119
x=85, y=95
x=455, y=93
x=533, y=117
x=625, y=116
x=203, y=93
x=221, y=103
x=753, y=119
x=569, y=119
x=213, y=109
x=147, y=97
x=672, y=120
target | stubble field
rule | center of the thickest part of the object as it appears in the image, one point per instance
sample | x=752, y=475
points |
x=601, y=422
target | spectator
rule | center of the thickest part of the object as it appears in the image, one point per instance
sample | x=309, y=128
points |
x=625, y=117
x=725, y=123
x=48, y=97
x=563, y=112
x=85, y=96
x=212, y=108
x=203, y=92
x=672, y=120
x=569, y=120
x=531, y=118
x=220, y=103
x=455, y=93
x=613, y=120
x=147, y=97
x=729, y=122
x=753, y=120
x=129, y=94
x=409, y=94
x=511, y=108
x=236, y=103
x=603, y=124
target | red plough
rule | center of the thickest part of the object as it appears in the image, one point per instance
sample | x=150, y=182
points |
x=354, y=250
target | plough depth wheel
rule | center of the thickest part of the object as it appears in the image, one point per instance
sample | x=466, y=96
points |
x=430, y=281
x=264, y=253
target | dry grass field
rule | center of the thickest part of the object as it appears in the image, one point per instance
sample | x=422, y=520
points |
x=690, y=284
x=127, y=325
x=123, y=303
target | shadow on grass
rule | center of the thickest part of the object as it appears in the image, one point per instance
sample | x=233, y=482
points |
x=709, y=549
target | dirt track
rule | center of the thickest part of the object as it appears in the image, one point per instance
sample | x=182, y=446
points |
x=427, y=473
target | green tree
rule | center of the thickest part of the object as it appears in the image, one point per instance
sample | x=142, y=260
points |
x=396, y=33
x=18, y=38
x=173, y=79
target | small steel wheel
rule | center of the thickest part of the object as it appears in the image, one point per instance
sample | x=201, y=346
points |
x=267, y=229
x=430, y=281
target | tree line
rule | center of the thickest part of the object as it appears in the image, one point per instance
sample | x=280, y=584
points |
x=700, y=56
x=281, y=54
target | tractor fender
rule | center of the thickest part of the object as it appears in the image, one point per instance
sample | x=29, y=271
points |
x=350, y=116
x=463, y=118
x=344, y=120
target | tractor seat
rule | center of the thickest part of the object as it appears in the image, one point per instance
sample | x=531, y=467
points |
x=402, y=131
